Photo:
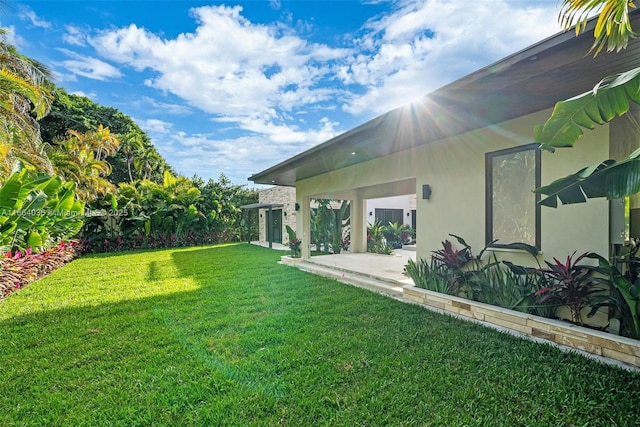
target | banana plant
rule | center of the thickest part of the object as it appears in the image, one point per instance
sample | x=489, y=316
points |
x=37, y=211
x=609, y=179
x=610, y=98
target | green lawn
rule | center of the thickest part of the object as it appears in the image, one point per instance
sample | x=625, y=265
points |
x=224, y=335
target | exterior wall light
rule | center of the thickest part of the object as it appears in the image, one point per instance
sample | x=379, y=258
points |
x=426, y=191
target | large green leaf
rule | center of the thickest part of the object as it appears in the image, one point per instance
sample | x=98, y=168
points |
x=9, y=194
x=608, y=99
x=35, y=239
x=609, y=179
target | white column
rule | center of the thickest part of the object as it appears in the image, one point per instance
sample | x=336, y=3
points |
x=358, y=225
x=303, y=225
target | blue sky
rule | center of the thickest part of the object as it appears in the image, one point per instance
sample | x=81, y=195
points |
x=237, y=87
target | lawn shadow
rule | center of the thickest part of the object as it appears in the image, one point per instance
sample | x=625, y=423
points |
x=255, y=342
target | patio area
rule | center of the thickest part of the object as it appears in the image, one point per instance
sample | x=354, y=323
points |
x=387, y=267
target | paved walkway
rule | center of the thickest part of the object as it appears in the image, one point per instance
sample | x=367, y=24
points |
x=388, y=267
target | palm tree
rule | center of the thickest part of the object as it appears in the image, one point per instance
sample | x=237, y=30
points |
x=147, y=162
x=613, y=28
x=132, y=145
x=78, y=159
x=25, y=97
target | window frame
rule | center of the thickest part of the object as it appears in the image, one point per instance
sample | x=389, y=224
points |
x=489, y=191
x=382, y=212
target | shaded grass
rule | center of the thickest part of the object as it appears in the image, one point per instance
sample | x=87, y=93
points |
x=226, y=336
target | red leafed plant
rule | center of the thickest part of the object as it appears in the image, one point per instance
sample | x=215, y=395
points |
x=570, y=284
x=452, y=258
x=18, y=269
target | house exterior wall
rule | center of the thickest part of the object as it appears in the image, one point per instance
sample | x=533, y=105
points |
x=406, y=202
x=285, y=196
x=455, y=170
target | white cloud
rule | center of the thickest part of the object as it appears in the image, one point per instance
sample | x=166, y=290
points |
x=74, y=36
x=89, y=67
x=424, y=45
x=238, y=157
x=228, y=66
x=260, y=78
x=164, y=107
x=27, y=14
x=154, y=126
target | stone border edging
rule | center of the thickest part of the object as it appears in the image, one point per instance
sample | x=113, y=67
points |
x=622, y=349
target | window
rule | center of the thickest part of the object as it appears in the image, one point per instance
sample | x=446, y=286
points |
x=512, y=211
x=390, y=215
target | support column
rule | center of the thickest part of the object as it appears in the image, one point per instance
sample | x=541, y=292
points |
x=270, y=226
x=303, y=225
x=358, y=225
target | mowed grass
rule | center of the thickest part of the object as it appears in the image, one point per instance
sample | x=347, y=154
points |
x=225, y=336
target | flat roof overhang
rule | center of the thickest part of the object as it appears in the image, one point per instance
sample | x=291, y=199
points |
x=262, y=206
x=526, y=82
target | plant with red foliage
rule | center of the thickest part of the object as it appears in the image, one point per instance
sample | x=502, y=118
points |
x=570, y=284
x=18, y=269
x=452, y=258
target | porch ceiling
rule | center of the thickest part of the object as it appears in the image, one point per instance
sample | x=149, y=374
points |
x=387, y=189
x=531, y=80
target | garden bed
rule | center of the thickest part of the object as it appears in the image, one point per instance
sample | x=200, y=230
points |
x=599, y=343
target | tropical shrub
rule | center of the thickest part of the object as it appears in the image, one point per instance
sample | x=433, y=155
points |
x=178, y=212
x=430, y=275
x=376, y=242
x=623, y=298
x=294, y=243
x=37, y=211
x=330, y=225
x=571, y=284
x=459, y=272
x=397, y=234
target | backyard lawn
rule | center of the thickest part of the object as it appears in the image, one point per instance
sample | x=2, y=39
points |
x=223, y=335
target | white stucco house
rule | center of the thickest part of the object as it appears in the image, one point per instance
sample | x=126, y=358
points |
x=467, y=152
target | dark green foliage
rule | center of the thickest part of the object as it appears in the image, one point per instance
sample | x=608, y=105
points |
x=294, y=243
x=79, y=113
x=178, y=212
x=623, y=283
x=397, y=234
x=330, y=225
x=376, y=242
x=225, y=336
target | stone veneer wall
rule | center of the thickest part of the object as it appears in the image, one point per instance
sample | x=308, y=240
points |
x=282, y=195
